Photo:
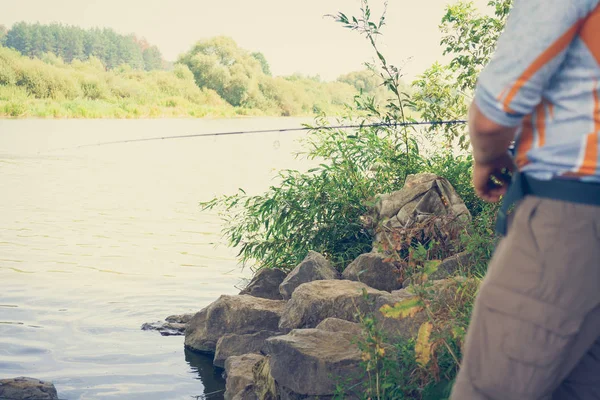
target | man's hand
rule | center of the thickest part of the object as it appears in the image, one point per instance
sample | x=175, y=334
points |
x=491, y=179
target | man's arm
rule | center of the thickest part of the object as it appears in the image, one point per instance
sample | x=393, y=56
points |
x=528, y=54
x=490, y=140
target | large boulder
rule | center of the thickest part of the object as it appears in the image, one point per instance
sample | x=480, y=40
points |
x=316, y=301
x=450, y=266
x=313, y=268
x=341, y=326
x=237, y=345
x=311, y=362
x=23, y=388
x=265, y=284
x=375, y=271
x=404, y=328
x=423, y=196
x=240, y=374
x=240, y=314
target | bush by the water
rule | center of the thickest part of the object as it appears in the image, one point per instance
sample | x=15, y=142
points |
x=321, y=209
x=49, y=87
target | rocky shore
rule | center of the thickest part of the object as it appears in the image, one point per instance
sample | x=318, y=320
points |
x=294, y=335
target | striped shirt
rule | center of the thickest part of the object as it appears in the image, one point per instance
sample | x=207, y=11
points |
x=544, y=79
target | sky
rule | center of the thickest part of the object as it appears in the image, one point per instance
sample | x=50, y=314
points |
x=295, y=36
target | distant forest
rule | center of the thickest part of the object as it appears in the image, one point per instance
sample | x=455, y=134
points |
x=68, y=72
x=74, y=43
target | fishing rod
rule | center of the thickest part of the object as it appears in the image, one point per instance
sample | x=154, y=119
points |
x=306, y=128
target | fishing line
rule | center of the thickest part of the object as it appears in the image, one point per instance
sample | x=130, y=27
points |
x=382, y=124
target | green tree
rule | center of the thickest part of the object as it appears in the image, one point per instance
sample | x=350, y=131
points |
x=3, y=32
x=260, y=57
x=443, y=92
x=73, y=43
x=231, y=71
x=152, y=58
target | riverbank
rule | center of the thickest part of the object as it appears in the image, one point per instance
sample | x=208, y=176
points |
x=376, y=327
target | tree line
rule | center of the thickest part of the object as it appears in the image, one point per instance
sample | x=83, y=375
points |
x=74, y=43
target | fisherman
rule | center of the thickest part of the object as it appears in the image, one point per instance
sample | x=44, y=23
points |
x=535, y=327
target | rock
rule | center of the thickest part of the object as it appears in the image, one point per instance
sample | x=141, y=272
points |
x=242, y=314
x=237, y=345
x=341, y=326
x=23, y=388
x=405, y=328
x=316, y=301
x=423, y=196
x=265, y=284
x=372, y=270
x=179, y=319
x=240, y=373
x=449, y=266
x=309, y=362
x=174, y=325
x=165, y=328
x=314, y=267
x=248, y=393
x=265, y=387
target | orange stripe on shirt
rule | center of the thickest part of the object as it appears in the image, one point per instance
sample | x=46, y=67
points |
x=540, y=123
x=590, y=33
x=525, y=142
x=558, y=46
x=590, y=162
x=590, y=159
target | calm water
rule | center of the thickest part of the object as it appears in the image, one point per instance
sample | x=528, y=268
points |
x=96, y=241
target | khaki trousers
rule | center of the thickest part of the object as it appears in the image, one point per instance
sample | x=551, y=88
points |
x=535, y=328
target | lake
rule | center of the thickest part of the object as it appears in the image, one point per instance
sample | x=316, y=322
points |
x=95, y=241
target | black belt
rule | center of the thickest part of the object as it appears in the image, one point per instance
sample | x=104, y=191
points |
x=556, y=189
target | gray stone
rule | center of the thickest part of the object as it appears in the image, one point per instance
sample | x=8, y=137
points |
x=314, y=267
x=237, y=345
x=248, y=393
x=373, y=270
x=23, y=388
x=316, y=301
x=265, y=387
x=174, y=325
x=341, y=326
x=242, y=314
x=165, y=328
x=179, y=319
x=240, y=373
x=394, y=329
x=310, y=362
x=265, y=284
x=450, y=266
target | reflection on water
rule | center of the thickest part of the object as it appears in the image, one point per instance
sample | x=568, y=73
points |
x=95, y=242
x=211, y=377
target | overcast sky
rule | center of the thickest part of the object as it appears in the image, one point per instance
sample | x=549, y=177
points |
x=294, y=35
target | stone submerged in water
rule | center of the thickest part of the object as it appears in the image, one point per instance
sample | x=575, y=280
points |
x=23, y=388
x=241, y=314
x=313, y=268
x=174, y=325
